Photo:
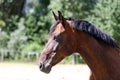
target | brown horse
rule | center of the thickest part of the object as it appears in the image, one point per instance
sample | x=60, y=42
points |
x=99, y=50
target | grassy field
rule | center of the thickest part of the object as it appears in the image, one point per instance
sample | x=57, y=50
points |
x=15, y=71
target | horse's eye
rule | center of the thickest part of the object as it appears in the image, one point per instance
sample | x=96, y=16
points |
x=69, y=19
x=54, y=37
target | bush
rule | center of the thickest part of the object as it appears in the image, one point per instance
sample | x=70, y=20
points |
x=32, y=48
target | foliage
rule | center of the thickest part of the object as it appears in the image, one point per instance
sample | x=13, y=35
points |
x=24, y=30
x=31, y=47
x=2, y=23
x=35, y=29
x=17, y=40
x=3, y=39
x=104, y=16
x=116, y=20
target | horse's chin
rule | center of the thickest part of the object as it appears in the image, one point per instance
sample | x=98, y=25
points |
x=46, y=69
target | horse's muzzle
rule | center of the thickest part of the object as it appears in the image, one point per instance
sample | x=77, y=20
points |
x=45, y=68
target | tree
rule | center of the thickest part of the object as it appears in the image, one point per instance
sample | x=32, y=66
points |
x=9, y=10
x=17, y=40
x=105, y=15
x=37, y=24
x=116, y=19
x=11, y=7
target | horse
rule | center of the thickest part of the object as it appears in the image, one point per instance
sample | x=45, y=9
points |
x=99, y=50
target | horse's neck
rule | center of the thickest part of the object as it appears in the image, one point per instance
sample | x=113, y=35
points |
x=102, y=59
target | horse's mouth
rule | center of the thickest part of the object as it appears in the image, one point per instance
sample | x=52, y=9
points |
x=45, y=68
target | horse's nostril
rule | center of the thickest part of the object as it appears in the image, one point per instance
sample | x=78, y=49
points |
x=41, y=66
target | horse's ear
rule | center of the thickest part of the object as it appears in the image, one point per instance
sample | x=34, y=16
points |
x=56, y=17
x=61, y=18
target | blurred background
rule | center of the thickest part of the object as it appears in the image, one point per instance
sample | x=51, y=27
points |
x=24, y=25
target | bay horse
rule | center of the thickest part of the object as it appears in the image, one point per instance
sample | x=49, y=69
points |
x=99, y=50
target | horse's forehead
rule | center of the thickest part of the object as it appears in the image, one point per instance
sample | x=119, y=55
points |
x=59, y=29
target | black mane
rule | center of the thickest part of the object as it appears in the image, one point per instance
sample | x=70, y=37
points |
x=95, y=32
x=87, y=27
